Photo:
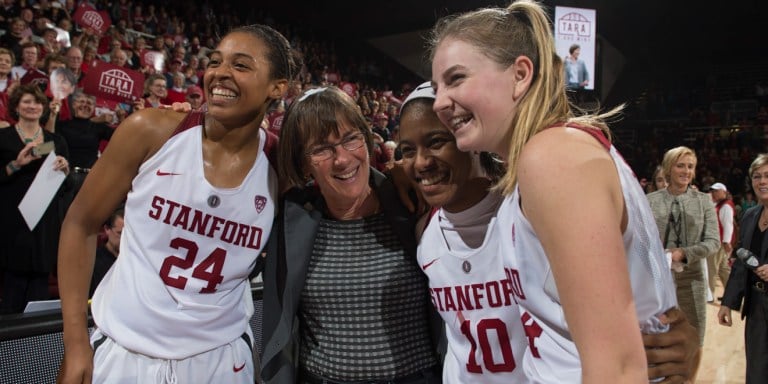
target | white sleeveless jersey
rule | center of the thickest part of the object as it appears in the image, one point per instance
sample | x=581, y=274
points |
x=474, y=295
x=553, y=358
x=180, y=286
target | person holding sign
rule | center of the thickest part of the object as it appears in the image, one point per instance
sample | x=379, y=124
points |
x=27, y=256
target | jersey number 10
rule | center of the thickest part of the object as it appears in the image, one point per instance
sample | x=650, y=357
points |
x=507, y=364
x=483, y=326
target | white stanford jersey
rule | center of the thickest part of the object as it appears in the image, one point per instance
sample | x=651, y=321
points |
x=180, y=286
x=474, y=295
x=553, y=357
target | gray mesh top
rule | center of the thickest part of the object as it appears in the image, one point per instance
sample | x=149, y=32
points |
x=364, y=307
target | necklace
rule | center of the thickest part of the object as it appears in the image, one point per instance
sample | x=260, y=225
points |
x=762, y=219
x=26, y=139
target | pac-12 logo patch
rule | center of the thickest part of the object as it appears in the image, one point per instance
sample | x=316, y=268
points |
x=260, y=202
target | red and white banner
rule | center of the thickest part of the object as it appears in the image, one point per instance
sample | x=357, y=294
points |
x=110, y=82
x=87, y=17
x=276, y=121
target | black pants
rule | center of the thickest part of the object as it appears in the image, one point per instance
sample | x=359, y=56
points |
x=756, y=338
x=426, y=376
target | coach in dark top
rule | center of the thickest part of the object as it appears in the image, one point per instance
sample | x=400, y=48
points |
x=751, y=283
x=344, y=299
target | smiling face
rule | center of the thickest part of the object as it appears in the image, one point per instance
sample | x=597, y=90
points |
x=61, y=86
x=760, y=184
x=474, y=96
x=29, y=108
x=237, y=79
x=682, y=172
x=84, y=107
x=342, y=178
x=442, y=172
x=5, y=64
x=17, y=27
x=159, y=89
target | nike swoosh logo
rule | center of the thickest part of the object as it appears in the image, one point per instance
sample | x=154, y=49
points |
x=423, y=87
x=238, y=369
x=425, y=266
x=161, y=173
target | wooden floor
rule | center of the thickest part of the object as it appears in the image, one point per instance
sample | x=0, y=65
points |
x=723, y=360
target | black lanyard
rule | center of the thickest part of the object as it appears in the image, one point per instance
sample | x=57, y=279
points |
x=675, y=223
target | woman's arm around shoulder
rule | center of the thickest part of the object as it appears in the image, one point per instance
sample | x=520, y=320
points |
x=571, y=194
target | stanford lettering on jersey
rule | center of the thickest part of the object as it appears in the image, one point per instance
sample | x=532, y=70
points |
x=205, y=224
x=517, y=288
x=491, y=294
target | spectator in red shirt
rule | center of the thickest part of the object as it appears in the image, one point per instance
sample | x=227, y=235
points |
x=195, y=97
x=177, y=93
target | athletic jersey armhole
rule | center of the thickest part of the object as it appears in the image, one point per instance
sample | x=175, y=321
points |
x=193, y=119
x=423, y=222
x=594, y=132
x=271, y=142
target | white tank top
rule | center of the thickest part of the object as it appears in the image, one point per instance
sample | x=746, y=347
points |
x=475, y=297
x=554, y=358
x=180, y=285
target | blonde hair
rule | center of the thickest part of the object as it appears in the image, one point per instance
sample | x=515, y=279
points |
x=672, y=156
x=504, y=34
x=760, y=160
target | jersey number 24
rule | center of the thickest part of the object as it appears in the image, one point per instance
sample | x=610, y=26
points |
x=208, y=270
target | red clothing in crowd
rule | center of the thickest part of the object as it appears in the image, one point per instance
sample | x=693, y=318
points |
x=175, y=96
x=275, y=122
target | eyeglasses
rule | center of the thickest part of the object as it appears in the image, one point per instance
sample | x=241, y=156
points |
x=324, y=152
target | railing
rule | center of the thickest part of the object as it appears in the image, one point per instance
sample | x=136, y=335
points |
x=31, y=345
